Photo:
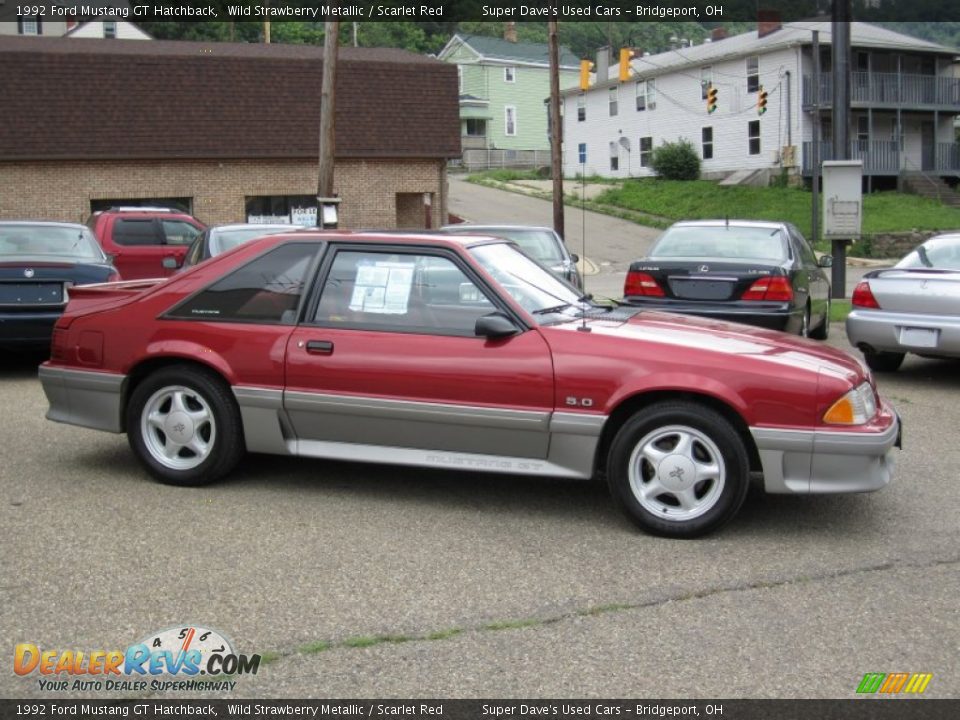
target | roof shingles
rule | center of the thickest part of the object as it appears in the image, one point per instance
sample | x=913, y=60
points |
x=113, y=99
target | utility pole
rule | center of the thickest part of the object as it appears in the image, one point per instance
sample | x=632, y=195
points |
x=556, y=132
x=326, y=203
x=841, y=16
x=815, y=145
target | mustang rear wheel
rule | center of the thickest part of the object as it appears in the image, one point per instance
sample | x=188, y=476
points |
x=678, y=469
x=184, y=426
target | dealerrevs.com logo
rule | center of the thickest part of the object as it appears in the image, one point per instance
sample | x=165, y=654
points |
x=187, y=658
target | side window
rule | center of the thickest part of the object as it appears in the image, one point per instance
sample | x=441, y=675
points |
x=127, y=231
x=265, y=290
x=806, y=253
x=195, y=253
x=178, y=232
x=395, y=292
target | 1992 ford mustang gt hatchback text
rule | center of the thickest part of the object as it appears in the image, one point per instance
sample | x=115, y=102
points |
x=460, y=352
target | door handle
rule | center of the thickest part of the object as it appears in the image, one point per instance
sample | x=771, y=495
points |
x=320, y=347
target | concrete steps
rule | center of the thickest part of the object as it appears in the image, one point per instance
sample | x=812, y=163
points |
x=932, y=187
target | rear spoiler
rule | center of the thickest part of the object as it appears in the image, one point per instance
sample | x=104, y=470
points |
x=85, y=298
x=911, y=270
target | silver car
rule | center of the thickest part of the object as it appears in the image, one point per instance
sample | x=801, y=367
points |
x=220, y=238
x=912, y=307
x=543, y=244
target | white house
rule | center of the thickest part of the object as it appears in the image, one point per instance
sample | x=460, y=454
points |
x=904, y=97
x=72, y=19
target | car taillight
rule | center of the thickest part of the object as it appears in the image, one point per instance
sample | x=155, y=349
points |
x=776, y=289
x=638, y=283
x=114, y=277
x=863, y=296
x=58, y=343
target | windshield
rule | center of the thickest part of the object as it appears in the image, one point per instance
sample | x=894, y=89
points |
x=223, y=240
x=733, y=242
x=942, y=254
x=536, y=289
x=49, y=241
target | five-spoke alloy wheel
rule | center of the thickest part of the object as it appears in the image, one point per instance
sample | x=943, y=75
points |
x=678, y=469
x=184, y=426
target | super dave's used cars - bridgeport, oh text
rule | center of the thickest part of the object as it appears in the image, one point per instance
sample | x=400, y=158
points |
x=460, y=352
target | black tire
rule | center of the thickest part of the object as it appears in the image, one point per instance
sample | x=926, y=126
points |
x=884, y=361
x=711, y=434
x=805, y=323
x=823, y=330
x=209, y=417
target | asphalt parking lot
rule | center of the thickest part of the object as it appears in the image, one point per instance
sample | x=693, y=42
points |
x=372, y=581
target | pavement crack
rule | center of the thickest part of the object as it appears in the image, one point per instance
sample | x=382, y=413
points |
x=367, y=641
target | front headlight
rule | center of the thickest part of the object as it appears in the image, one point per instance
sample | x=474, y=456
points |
x=855, y=408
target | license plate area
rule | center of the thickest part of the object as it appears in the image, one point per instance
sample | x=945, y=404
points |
x=701, y=288
x=31, y=293
x=919, y=337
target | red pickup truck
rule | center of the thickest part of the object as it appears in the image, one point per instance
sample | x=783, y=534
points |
x=145, y=242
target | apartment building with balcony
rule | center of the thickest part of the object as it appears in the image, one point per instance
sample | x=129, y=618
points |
x=905, y=94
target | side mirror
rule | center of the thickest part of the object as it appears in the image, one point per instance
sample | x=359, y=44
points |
x=575, y=258
x=170, y=263
x=494, y=326
x=825, y=261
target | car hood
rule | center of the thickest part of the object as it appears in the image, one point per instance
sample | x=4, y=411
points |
x=724, y=338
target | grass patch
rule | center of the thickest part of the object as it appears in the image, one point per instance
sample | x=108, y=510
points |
x=315, y=647
x=269, y=657
x=512, y=624
x=444, y=634
x=702, y=199
x=839, y=309
x=504, y=175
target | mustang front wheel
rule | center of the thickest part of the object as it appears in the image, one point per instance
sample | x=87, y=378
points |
x=184, y=426
x=678, y=469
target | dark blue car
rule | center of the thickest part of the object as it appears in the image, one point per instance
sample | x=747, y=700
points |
x=39, y=263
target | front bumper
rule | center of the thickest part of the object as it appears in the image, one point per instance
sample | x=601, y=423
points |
x=826, y=461
x=881, y=331
x=84, y=398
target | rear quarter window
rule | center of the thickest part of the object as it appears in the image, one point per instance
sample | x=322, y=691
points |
x=265, y=290
x=130, y=231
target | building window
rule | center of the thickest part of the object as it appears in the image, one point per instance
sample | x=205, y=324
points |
x=510, y=120
x=109, y=29
x=753, y=136
x=29, y=26
x=476, y=128
x=646, y=95
x=706, y=142
x=460, y=78
x=753, y=74
x=582, y=153
x=509, y=74
x=706, y=80
x=646, y=151
x=614, y=157
x=613, y=101
x=581, y=107
x=293, y=209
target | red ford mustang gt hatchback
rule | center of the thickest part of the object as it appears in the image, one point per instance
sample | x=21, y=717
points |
x=460, y=352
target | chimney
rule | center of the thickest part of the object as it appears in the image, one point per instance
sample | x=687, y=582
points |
x=510, y=32
x=717, y=34
x=768, y=21
x=602, y=67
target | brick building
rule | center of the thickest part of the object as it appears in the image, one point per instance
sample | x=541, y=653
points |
x=230, y=132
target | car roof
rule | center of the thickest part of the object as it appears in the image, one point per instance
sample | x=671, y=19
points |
x=469, y=227
x=771, y=224
x=45, y=223
x=226, y=227
x=388, y=237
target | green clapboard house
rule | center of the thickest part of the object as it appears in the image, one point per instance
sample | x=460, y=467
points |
x=504, y=85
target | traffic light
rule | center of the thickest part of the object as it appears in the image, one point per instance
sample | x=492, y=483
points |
x=625, y=55
x=585, y=67
x=761, y=101
x=711, y=98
